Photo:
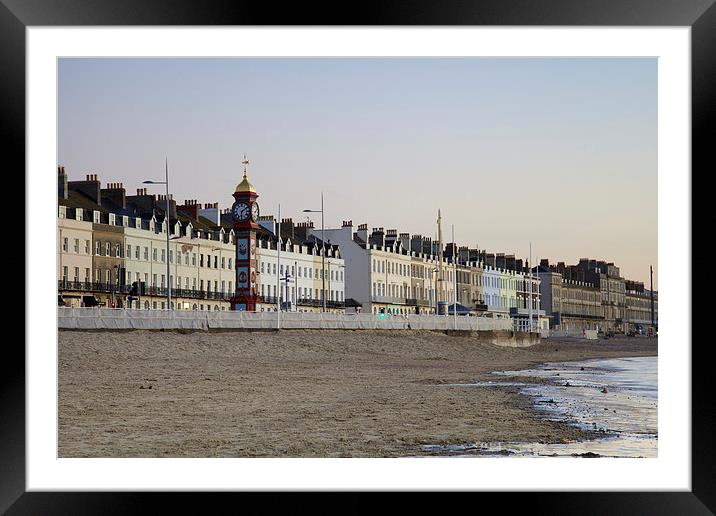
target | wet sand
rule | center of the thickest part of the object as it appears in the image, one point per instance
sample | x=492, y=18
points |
x=300, y=393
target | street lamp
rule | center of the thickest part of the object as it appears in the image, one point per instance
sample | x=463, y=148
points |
x=435, y=291
x=323, y=244
x=166, y=218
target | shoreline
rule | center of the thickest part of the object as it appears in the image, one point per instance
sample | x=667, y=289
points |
x=301, y=393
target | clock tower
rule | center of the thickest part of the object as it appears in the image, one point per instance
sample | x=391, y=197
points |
x=245, y=212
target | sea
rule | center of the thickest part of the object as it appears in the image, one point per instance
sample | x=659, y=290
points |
x=616, y=398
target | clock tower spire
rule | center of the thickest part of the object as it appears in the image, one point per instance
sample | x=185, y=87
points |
x=245, y=212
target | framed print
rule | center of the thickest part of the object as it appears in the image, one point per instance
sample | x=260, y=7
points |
x=488, y=356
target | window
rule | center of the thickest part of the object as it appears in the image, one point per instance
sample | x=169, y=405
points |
x=163, y=255
x=64, y=244
x=129, y=251
x=193, y=258
x=171, y=256
x=146, y=253
x=136, y=252
x=262, y=266
x=108, y=249
x=117, y=250
x=201, y=260
x=97, y=245
x=216, y=262
x=154, y=255
x=64, y=273
x=77, y=274
x=77, y=245
x=87, y=247
x=223, y=262
x=87, y=275
x=229, y=263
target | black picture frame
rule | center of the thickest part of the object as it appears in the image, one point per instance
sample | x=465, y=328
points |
x=700, y=15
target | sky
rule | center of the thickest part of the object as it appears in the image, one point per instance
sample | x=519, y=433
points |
x=559, y=152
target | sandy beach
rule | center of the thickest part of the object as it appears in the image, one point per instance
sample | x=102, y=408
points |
x=300, y=393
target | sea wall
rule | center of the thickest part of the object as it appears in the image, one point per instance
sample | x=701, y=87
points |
x=129, y=319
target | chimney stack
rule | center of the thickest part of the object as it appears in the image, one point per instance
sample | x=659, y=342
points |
x=89, y=187
x=362, y=233
x=62, y=190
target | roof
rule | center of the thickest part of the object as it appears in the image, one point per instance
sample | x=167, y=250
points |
x=79, y=200
x=245, y=185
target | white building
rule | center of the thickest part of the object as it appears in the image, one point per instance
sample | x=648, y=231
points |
x=381, y=271
x=74, y=254
x=300, y=259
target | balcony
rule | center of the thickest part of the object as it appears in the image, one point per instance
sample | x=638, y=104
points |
x=86, y=286
x=388, y=300
x=411, y=301
x=316, y=303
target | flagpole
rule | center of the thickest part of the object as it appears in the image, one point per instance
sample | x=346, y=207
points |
x=278, y=269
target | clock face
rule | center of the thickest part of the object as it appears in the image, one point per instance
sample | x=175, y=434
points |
x=254, y=212
x=240, y=211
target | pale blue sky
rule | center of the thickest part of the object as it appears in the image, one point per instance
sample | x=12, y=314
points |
x=560, y=152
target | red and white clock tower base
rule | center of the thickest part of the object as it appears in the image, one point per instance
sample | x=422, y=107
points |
x=245, y=212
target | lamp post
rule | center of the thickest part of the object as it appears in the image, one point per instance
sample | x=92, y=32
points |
x=323, y=252
x=112, y=285
x=435, y=290
x=166, y=218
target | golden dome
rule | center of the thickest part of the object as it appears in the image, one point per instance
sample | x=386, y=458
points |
x=245, y=186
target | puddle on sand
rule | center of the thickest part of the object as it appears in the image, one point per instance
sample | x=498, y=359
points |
x=484, y=384
x=617, y=397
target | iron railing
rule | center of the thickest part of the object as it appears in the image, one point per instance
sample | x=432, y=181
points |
x=104, y=287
